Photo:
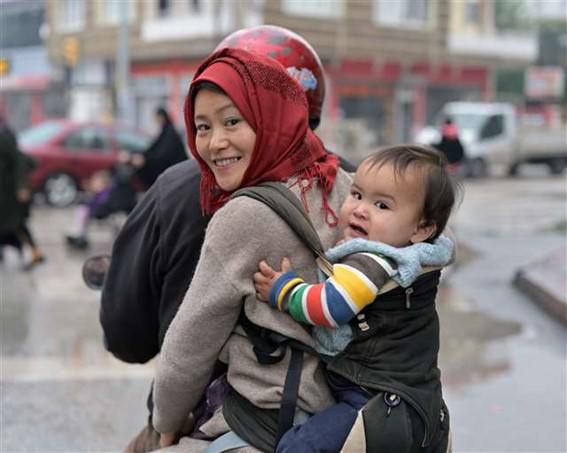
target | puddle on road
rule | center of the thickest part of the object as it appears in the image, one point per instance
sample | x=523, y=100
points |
x=472, y=348
x=49, y=327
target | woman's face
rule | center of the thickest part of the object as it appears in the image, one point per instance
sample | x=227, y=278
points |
x=225, y=140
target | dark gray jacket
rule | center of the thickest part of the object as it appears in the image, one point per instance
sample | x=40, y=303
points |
x=394, y=351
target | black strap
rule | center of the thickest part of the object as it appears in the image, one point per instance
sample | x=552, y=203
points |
x=290, y=391
x=268, y=346
x=264, y=341
x=265, y=344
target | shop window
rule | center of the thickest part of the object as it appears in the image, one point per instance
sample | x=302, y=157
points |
x=163, y=7
x=402, y=12
x=472, y=12
x=110, y=11
x=184, y=82
x=71, y=14
x=150, y=92
x=313, y=8
x=195, y=6
x=20, y=25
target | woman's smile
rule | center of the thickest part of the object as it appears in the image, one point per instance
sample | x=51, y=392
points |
x=226, y=162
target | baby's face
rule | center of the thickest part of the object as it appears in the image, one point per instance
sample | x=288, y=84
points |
x=385, y=206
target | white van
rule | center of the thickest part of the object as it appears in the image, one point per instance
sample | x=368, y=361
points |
x=493, y=134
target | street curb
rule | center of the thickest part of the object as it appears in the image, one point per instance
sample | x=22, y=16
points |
x=552, y=304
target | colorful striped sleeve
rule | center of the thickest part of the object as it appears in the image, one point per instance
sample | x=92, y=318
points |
x=353, y=286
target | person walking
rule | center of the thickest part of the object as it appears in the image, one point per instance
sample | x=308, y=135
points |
x=15, y=196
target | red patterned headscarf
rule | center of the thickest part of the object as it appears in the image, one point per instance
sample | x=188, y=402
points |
x=276, y=108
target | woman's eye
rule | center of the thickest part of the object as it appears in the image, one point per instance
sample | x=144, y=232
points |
x=201, y=127
x=381, y=205
x=232, y=121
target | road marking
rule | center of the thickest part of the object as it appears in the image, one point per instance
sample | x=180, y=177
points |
x=35, y=369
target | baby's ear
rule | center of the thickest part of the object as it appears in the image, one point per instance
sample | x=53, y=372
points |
x=423, y=232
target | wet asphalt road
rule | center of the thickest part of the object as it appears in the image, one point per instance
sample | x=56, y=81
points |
x=503, y=359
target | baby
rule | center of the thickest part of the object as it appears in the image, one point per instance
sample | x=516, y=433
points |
x=399, y=205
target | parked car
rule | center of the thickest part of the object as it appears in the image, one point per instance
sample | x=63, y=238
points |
x=67, y=154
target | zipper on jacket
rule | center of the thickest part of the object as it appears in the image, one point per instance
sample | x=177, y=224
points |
x=409, y=292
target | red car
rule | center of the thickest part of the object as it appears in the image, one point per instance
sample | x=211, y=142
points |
x=68, y=153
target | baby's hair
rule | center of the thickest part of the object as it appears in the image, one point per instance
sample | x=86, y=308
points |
x=440, y=189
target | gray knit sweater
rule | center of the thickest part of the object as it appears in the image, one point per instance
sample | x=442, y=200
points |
x=240, y=234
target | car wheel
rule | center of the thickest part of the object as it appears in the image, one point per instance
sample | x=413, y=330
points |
x=513, y=169
x=476, y=168
x=60, y=190
x=557, y=166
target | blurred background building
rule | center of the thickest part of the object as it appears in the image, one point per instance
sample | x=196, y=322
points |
x=28, y=91
x=391, y=64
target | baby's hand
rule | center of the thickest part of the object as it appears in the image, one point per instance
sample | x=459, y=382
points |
x=264, y=279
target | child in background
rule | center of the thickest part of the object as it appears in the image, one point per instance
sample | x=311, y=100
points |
x=99, y=187
x=400, y=202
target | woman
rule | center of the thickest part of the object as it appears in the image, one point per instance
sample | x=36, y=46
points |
x=247, y=123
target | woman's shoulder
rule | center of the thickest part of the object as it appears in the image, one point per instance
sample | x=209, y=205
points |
x=243, y=231
x=242, y=213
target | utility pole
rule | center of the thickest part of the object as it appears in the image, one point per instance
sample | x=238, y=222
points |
x=122, y=81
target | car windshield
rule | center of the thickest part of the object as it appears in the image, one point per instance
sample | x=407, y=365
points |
x=39, y=134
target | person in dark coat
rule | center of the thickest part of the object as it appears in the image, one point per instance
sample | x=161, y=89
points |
x=450, y=144
x=166, y=150
x=12, y=180
x=15, y=196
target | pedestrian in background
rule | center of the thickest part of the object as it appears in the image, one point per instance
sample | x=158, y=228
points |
x=450, y=145
x=15, y=196
x=166, y=150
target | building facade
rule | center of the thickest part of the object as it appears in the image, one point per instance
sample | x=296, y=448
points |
x=390, y=64
x=27, y=94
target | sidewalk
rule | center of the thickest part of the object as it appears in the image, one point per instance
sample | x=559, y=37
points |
x=545, y=282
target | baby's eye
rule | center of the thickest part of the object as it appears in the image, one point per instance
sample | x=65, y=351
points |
x=356, y=195
x=381, y=205
x=232, y=121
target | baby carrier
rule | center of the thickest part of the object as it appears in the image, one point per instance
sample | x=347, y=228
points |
x=263, y=428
